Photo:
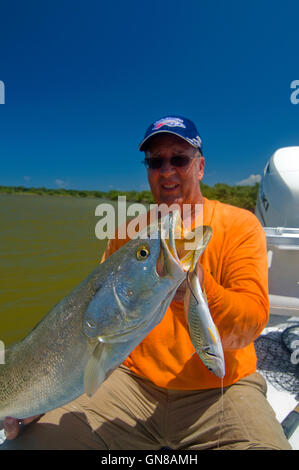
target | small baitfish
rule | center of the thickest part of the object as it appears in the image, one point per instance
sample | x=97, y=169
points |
x=203, y=332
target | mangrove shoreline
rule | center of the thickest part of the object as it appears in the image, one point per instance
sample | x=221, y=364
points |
x=240, y=196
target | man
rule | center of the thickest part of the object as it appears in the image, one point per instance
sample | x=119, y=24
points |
x=163, y=395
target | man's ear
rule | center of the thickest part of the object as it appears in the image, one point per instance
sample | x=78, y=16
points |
x=201, y=168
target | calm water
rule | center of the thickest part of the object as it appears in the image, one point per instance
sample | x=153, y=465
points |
x=47, y=246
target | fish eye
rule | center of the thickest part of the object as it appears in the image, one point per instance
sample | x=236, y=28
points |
x=142, y=253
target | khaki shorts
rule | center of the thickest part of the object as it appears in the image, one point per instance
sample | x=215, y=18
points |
x=128, y=412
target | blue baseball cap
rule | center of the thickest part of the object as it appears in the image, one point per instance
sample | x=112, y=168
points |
x=177, y=125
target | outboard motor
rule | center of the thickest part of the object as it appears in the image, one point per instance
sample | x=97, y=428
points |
x=277, y=209
x=278, y=198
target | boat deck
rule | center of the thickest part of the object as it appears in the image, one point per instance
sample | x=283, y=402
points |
x=281, y=401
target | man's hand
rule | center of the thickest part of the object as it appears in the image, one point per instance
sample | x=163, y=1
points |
x=12, y=425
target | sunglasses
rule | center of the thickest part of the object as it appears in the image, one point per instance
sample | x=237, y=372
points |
x=178, y=161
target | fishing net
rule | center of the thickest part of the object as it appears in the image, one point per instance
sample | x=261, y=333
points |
x=278, y=357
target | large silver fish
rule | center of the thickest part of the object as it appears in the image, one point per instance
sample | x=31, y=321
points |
x=92, y=330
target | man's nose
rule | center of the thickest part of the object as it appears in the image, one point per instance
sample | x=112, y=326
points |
x=167, y=167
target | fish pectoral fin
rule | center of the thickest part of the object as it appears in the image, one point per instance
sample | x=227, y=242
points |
x=193, y=354
x=93, y=375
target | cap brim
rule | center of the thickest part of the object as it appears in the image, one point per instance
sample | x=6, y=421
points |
x=164, y=132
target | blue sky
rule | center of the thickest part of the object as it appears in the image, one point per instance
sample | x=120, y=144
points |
x=84, y=79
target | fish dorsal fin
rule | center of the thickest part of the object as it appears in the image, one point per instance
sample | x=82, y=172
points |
x=93, y=375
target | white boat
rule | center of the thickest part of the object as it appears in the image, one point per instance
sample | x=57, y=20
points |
x=283, y=264
x=278, y=199
x=277, y=209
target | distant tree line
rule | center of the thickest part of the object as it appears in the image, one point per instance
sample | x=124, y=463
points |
x=240, y=196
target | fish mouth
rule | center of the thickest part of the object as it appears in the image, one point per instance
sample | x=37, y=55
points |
x=213, y=362
x=217, y=369
x=177, y=248
x=168, y=259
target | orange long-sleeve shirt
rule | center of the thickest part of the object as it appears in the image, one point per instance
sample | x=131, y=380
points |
x=236, y=285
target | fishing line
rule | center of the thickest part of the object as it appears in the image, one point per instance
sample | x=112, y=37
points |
x=189, y=286
x=220, y=424
x=221, y=414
